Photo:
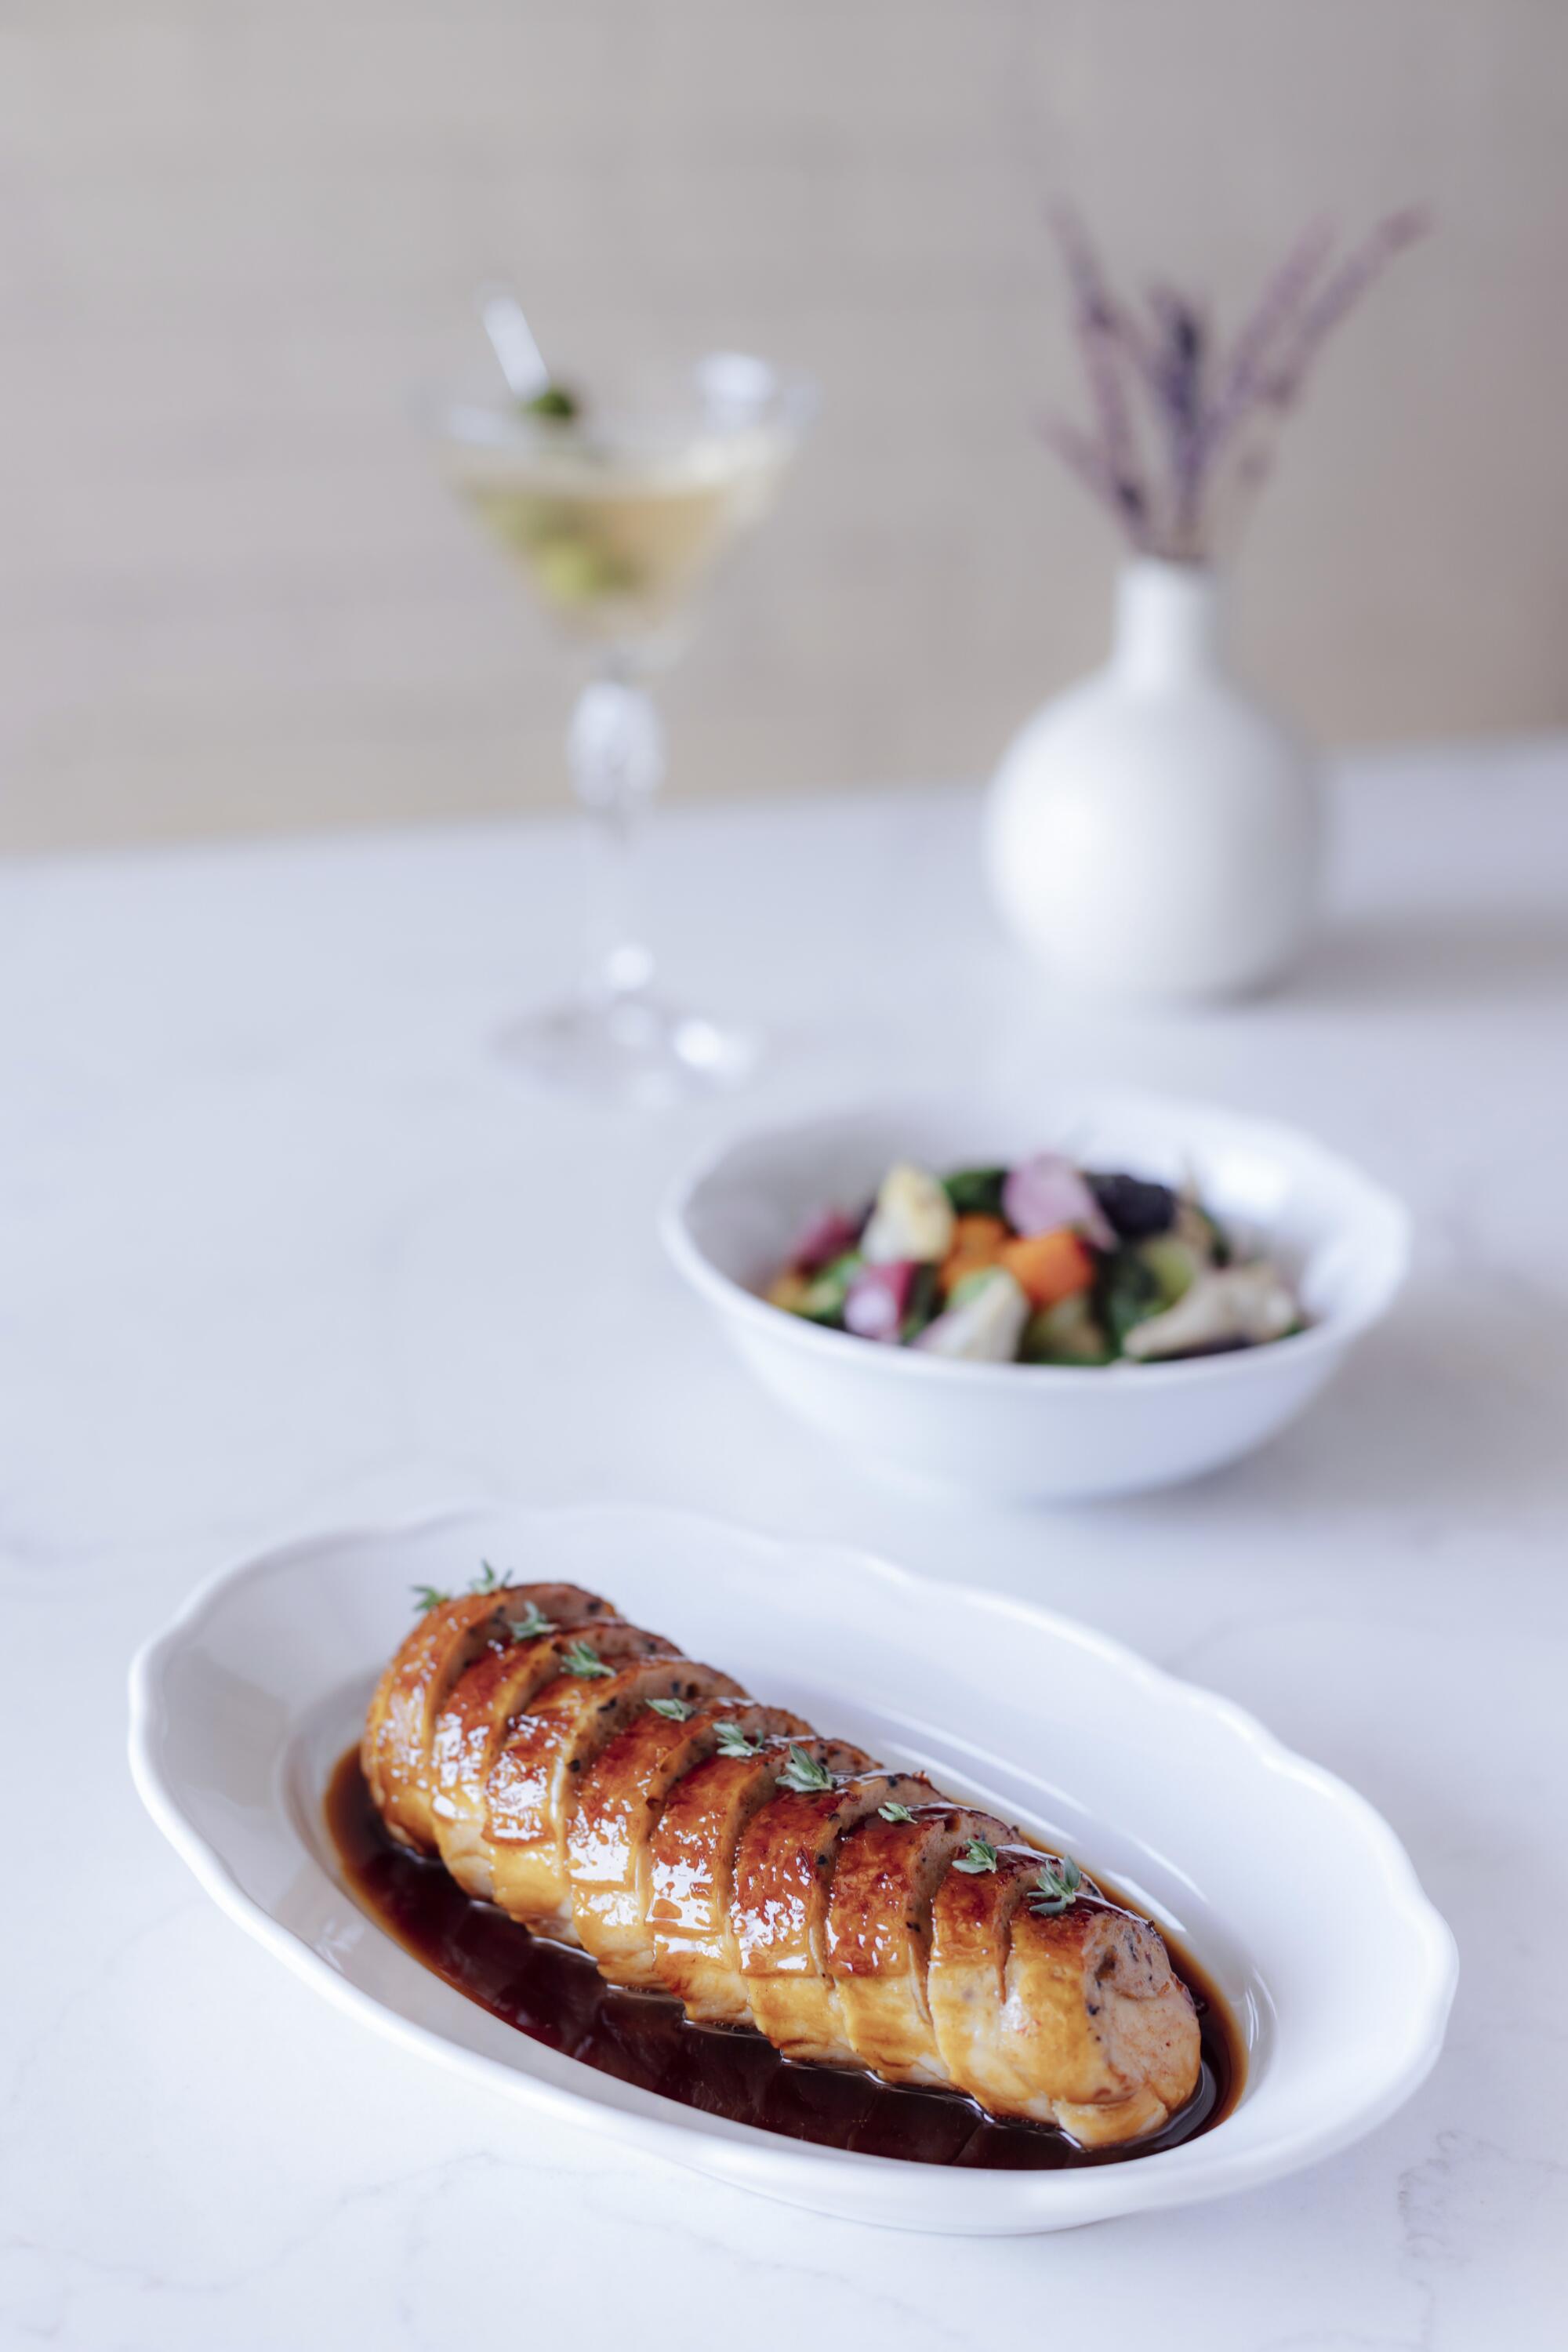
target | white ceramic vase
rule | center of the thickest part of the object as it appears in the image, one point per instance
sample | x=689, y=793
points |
x=1154, y=831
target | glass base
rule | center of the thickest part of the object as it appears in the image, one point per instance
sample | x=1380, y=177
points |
x=632, y=1048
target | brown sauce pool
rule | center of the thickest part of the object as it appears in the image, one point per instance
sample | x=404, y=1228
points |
x=557, y=1996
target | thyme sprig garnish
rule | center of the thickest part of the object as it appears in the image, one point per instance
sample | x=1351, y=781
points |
x=581, y=1658
x=804, y=1774
x=733, y=1741
x=533, y=1625
x=1058, y=1884
x=978, y=1855
x=894, y=1813
x=430, y=1596
x=678, y=1710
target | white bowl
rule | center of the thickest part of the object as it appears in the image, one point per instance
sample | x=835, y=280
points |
x=1035, y=1431
x=241, y=1707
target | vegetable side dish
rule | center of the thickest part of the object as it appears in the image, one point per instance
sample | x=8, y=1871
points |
x=1045, y=1263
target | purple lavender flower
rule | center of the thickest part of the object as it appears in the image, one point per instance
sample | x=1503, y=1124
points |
x=1203, y=408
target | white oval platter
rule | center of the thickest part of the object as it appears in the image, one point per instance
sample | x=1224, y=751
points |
x=1286, y=1885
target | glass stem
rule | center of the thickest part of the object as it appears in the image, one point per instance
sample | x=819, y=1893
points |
x=616, y=747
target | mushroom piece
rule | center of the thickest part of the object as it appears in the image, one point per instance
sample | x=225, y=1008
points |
x=1233, y=1306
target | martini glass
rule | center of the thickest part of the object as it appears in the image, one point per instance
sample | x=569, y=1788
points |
x=617, y=517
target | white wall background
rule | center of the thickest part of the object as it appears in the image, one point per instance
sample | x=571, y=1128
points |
x=239, y=236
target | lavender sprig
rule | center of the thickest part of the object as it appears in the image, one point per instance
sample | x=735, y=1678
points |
x=1344, y=289
x=1203, y=407
x=1098, y=321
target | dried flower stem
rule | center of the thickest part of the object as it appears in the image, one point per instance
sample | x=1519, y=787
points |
x=1200, y=414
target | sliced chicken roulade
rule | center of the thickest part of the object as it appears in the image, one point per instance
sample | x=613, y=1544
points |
x=603, y=1790
x=784, y=1881
x=481, y=1715
x=395, y=1748
x=1023, y=2009
x=879, y=1930
x=619, y=1805
x=531, y=1794
x=692, y=1880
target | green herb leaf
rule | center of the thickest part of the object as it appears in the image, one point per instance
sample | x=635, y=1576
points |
x=733, y=1741
x=428, y=1597
x=486, y=1580
x=581, y=1658
x=530, y=1626
x=675, y=1709
x=804, y=1774
x=1058, y=1884
x=976, y=1857
x=895, y=1814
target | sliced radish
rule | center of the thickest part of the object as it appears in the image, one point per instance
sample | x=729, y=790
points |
x=1046, y=1191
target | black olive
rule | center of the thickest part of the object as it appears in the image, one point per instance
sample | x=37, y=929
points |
x=1136, y=1208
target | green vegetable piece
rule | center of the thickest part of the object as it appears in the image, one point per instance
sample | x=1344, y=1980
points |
x=1125, y=1293
x=823, y=1299
x=972, y=1285
x=1174, y=1265
x=556, y=404
x=925, y=1303
x=1067, y=1333
x=976, y=1191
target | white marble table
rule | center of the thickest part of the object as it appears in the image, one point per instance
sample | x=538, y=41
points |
x=281, y=1244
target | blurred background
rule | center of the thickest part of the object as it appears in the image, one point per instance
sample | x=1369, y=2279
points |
x=242, y=238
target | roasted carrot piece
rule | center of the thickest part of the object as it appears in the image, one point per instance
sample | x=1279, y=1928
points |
x=1049, y=1266
x=977, y=1241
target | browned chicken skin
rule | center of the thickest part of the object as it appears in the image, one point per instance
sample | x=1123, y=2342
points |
x=604, y=1790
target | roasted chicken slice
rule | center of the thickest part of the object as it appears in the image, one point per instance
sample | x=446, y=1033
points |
x=691, y=1872
x=484, y=1704
x=1071, y=2017
x=784, y=1878
x=619, y=1803
x=878, y=1941
x=1095, y=2012
x=971, y=1936
x=395, y=1748
x=533, y=1790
